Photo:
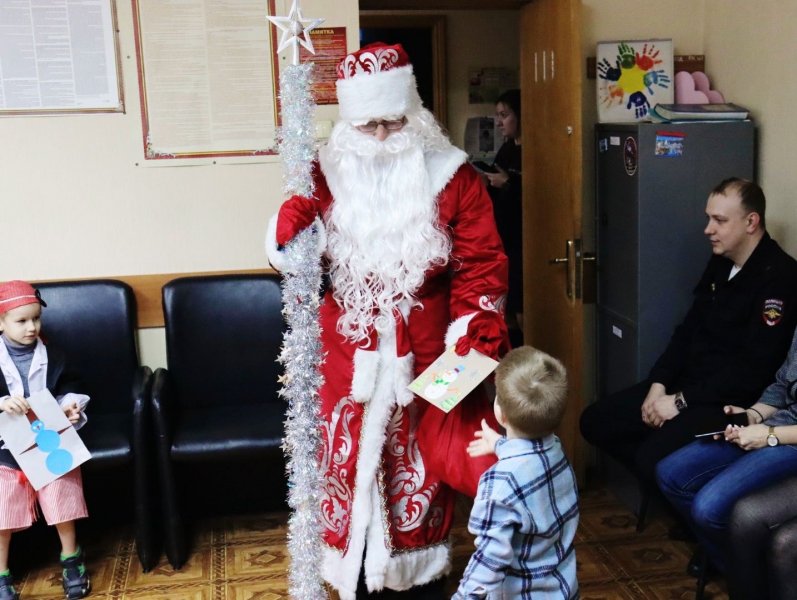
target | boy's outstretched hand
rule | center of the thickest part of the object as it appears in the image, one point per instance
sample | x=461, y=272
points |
x=484, y=442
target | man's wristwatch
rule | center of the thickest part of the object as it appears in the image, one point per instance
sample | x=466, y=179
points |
x=772, y=439
x=680, y=403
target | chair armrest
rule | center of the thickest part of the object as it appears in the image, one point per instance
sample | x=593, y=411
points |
x=162, y=408
x=147, y=538
x=163, y=424
x=142, y=388
x=142, y=429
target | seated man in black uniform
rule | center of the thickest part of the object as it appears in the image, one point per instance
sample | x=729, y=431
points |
x=726, y=350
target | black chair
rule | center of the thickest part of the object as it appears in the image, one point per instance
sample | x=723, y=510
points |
x=94, y=323
x=217, y=405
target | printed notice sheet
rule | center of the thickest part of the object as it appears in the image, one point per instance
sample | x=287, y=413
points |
x=207, y=77
x=43, y=441
x=58, y=56
x=452, y=377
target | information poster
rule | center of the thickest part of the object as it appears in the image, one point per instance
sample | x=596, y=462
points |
x=58, y=56
x=487, y=83
x=207, y=78
x=330, y=48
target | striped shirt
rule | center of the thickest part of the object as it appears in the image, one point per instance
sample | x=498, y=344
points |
x=524, y=518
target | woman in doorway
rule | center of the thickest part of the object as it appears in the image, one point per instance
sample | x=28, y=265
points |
x=505, y=187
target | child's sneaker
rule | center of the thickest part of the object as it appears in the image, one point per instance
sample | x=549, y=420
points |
x=75, y=579
x=7, y=591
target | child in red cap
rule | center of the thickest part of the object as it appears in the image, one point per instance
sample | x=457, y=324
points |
x=29, y=367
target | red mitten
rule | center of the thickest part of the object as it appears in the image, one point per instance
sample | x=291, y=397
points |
x=486, y=333
x=296, y=214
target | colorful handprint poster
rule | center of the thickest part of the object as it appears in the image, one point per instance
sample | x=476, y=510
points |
x=452, y=377
x=632, y=78
x=43, y=442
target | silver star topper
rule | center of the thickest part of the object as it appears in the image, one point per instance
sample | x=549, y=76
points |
x=292, y=27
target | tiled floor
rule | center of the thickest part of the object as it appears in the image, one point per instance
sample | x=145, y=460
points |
x=245, y=558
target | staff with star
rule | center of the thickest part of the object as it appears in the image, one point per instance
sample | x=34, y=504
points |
x=301, y=354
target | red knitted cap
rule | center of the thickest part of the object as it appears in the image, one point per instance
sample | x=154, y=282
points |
x=14, y=294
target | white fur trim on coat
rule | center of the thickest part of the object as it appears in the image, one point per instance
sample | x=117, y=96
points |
x=402, y=571
x=278, y=257
x=375, y=95
x=390, y=373
x=441, y=166
x=343, y=570
x=457, y=329
x=366, y=369
x=405, y=369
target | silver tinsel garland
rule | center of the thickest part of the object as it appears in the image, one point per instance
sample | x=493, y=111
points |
x=301, y=354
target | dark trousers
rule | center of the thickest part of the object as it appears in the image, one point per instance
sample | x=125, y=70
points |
x=614, y=424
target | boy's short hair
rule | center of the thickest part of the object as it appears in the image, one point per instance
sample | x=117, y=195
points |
x=531, y=389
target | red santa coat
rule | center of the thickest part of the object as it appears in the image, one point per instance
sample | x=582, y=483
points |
x=379, y=492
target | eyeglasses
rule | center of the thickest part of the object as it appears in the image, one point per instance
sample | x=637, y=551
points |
x=392, y=125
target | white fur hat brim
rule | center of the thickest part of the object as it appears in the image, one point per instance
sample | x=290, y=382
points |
x=370, y=96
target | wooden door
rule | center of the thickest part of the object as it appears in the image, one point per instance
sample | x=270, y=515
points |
x=551, y=80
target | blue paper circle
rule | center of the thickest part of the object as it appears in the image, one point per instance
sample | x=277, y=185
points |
x=48, y=440
x=59, y=461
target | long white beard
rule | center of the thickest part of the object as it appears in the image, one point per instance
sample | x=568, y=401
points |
x=382, y=227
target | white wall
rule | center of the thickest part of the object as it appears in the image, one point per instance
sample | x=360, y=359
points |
x=77, y=184
x=76, y=202
x=751, y=53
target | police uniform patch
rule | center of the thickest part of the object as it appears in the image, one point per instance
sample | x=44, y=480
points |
x=773, y=311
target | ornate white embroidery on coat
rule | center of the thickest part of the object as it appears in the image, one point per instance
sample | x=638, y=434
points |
x=493, y=303
x=336, y=495
x=408, y=484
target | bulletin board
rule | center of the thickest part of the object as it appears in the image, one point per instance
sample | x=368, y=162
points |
x=59, y=57
x=208, y=75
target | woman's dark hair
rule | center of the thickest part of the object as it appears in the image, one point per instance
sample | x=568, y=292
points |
x=512, y=99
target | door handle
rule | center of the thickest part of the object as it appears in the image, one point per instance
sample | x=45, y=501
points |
x=568, y=261
x=574, y=260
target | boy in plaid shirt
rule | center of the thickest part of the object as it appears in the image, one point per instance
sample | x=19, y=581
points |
x=526, y=509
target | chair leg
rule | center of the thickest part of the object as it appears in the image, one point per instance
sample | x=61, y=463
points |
x=644, y=503
x=702, y=578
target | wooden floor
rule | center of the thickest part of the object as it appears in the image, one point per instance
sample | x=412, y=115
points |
x=244, y=558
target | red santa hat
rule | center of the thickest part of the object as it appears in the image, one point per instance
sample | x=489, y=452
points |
x=14, y=294
x=375, y=82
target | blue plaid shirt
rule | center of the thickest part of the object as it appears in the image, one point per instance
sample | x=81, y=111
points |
x=524, y=518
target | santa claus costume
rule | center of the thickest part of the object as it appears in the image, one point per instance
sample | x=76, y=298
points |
x=415, y=265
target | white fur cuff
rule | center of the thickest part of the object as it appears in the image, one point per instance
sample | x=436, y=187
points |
x=457, y=329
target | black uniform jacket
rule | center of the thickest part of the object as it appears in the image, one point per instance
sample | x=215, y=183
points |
x=737, y=332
